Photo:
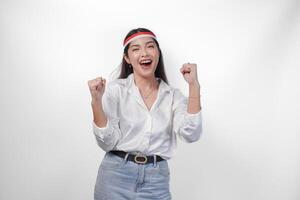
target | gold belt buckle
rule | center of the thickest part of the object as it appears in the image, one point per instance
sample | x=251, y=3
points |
x=140, y=156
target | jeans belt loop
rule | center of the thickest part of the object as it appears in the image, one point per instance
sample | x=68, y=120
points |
x=126, y=156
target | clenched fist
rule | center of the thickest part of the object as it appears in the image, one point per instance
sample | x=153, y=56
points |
x=189, y=72
x=97, y=88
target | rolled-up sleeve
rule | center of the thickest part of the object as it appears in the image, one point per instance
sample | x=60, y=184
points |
x=188, y=126
x=107, y=137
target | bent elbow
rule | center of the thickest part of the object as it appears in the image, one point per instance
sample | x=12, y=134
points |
x=191, y=135
x=104, y=145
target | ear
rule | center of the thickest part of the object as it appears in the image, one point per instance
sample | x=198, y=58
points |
x=127, y=59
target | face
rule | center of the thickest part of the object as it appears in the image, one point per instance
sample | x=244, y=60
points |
x=143, y=55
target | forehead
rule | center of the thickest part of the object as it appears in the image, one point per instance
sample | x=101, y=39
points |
x=141, y=41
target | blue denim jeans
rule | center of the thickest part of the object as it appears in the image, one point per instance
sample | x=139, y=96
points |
x=120, y=179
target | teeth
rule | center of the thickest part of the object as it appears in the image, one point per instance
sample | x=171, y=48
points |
x=145, y=61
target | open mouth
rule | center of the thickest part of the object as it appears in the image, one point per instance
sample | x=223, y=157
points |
x=146, y=63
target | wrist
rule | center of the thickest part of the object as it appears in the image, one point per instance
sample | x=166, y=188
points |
x=194, y=90
x=195, y=84
x=96, y=102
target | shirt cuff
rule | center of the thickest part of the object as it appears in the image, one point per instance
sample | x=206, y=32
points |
x=193, y=118
x=100, y=128
x=102, y=132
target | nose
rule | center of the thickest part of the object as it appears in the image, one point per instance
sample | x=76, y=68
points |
x=144, y=52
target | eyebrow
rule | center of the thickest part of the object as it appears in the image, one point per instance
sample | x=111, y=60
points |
x=139, y=45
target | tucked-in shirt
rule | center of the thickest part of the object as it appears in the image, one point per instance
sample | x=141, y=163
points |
x=132, y=127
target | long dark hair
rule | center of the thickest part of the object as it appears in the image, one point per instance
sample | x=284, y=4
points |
x=126, y=70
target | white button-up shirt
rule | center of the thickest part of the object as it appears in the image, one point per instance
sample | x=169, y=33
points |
x=132, y=127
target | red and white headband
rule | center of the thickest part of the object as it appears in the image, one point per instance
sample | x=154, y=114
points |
x=136, y=36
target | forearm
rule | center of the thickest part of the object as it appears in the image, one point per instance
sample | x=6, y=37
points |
x=194, y=103
x=98, y=114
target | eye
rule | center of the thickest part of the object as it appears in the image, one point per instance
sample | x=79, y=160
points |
x=135, y=49
x=151, y=46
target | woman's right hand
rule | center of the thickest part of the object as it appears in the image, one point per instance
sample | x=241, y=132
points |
x=97, y=88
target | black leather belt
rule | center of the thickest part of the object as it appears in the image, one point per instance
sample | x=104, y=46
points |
x=139, y=159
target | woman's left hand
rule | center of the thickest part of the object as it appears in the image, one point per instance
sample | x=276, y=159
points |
x=189, y=72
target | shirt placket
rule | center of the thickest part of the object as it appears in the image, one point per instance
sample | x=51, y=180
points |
x=146, y=139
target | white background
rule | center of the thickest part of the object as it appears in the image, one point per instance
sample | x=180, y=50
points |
x=247, y=53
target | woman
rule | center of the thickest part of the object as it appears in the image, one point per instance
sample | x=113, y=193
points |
x=137, y=118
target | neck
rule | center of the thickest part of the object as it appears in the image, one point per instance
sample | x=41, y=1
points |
x=145, y=83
